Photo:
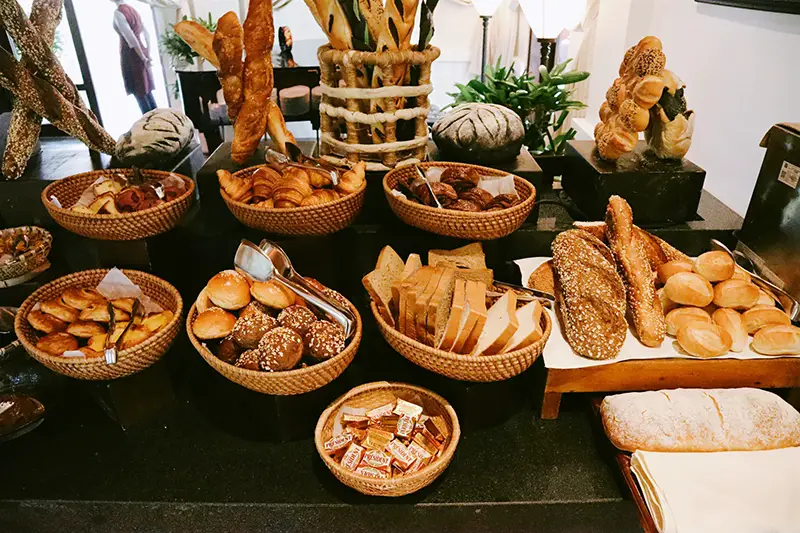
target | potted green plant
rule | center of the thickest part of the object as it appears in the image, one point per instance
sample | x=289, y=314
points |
x=542, y=105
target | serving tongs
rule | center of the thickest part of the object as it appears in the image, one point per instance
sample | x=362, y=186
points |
x=296, y=158
x=424, y=178
x=268, y=261
x=789, y=303
x=112, y=347
x=137, y=178
x=527, y=294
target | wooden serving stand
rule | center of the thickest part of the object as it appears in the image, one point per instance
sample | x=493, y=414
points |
x=641, y=375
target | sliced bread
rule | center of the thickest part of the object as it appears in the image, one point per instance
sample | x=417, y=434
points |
x=423, y=301
x=529, y=330
x=379, y=282
x=501, y=324
x=472, y=325
x=483, y=275
x=413, y=263
x=439, y=307
x=446, y=337
x=417, y=285
x=469, y=256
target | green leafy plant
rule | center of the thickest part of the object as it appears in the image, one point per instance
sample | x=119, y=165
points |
x=176, y=48
x=543, y=106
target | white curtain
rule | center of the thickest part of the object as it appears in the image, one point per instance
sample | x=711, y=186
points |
x=584, y=57
x=503, y=38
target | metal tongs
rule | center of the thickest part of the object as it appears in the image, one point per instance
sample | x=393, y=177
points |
x=112, y=347
x=296, y=158
x=789, y=303
x=268, y=261
x=424, y=178
x=528, y=294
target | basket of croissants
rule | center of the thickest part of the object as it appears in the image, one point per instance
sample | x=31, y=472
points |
x=119, y=204
x=293, y=200
x=263, y=337
x=477, y=203
x=65, y=324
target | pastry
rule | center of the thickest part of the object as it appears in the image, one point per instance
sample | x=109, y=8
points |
x=248, y=330
x=464, y=205
x=254, y=309
x=240, y=189
x=265, y=180
x=460, y=178
x=57, y=343
x=228, y=45
x=229, y=290
x=680, y=317
x=157, y=321
x=321, y=196
x=85, y=329
x=503, y=201
x=352, y=180
x=777, y=340
x=736, y=294
x=480, y=197
x=97, y=343
x=81, y=298
x=59, y=310
x=704, y=340
x=324, y=339
x=731, y=321
x=134, y=336
x=273, y=294
x=297, y=318
x=45, y=323
x=228, y=351
x=291, y=191
x=124, y=304
x=215, y=323
x=337, y=297
x=443, y=192
x=761, y=316
x=280, y=349
x=645, y=307
x=715, y=266
x=99, y=313
x=276, y=127
x=590, y=295
x=249, y=360
x=688, y=288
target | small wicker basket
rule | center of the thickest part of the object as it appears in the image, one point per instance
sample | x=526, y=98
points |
x=286, y=383
x=482, y=226
x=129, y=361
x=122, y=227
x=373, y=395
x=32, y=258
x=319, y=219
x=481, y=368
x=371, y=114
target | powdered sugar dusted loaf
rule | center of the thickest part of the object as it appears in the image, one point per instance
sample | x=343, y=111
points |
x=158, y=135
x=479, y=132
x=698, y=420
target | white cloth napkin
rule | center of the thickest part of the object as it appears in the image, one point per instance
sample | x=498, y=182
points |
x=726, y=492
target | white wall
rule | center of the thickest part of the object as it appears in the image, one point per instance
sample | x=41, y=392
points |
x=740, y=69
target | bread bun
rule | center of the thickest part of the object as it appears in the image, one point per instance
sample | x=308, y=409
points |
x=683, y=316
x=45, y=323
x=715, y=266
x=777, y=340
x=764, y=315
x=740, y=273
x=688, y=288
x=249, y=330
x=731, y=321
x=324, y=340
x=764, y=298
x=215, y=323
x=667, y=305
x=81, y=298
x=60, y=310
x=57, y=343
x=702, y=339
x=229, y=290
x=667, y=270
x=85, y=329
x=735, y=294
x=273, y=294
x=297, y=318
x=280, y=349
x=203, y=302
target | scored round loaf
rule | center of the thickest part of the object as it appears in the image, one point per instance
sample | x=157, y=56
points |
x=715, y=266
x=735, y=294
x=688, y=288
x=479, y=132
x=777, y=340
x=228, y=290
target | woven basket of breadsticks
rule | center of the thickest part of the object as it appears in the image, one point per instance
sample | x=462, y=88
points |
x=645, y=97
x=453, y=318
x=119, y=204
x=294, y=200
x=65, y=324
x=477, y=203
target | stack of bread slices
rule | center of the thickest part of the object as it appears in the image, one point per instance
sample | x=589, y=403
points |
x=444, y=304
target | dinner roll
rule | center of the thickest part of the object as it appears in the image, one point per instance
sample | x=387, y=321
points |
x=215, y=323
x=715, y=266
x=667, y=305
x=777, y=340
x=740, y=273
x=60, y=310
x=85, y=329
x=764, y=298
x=764, y=315
x=731, y=321
x=229, y=290
x=682, y=316
x=45, y=323
x=667, y=270
x=272, y=294
x=57, y=343
x=688, y=288
x=735, y=294
x=81, y=298
x=704, y=340
x=203, y=302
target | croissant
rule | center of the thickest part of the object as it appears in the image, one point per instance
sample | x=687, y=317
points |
x=269, y=203
x=265, y=180
x=290, y=193
x=319, y=179
x=296, y=173
x=320, y=196
x=353, y=179
x=239, y=189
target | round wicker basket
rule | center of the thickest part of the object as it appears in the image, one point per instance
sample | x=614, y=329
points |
x=129, y=361
x=482, y=226
x=122, y=227
x=31, y=259
x=373, y=395
x=310, y=220
x=464, y=367
x=286, y=383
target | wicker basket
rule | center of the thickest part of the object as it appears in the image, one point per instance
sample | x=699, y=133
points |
x=373, y=395
x=31, y=259
x=286, y=383
x=371, y=115
x=129, y=361
x=464, y=367
x=482, y=226
x=319, y=219
x=123, y=227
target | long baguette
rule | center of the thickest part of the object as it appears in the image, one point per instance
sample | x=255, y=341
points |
x=228, y=44
x=199, y=39
x=276, y=127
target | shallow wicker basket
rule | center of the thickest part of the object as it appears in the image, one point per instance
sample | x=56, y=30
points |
x=482, y=226
x=311, y=220
x=129, y=361
x=122, y=227
x=31, y=259
x=286, y=383
x=373, y=395
x=464, y=367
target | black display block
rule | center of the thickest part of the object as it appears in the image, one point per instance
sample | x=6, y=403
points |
x=659, y=191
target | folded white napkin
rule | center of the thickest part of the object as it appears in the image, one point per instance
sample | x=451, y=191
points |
x=726, y=492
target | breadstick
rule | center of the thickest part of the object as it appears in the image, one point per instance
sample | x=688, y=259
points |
x=25, y=124
x=276, y=127
x=259, y=36
x=228, y=44
x=335, y=24
x=198, y=38
x=372, y=11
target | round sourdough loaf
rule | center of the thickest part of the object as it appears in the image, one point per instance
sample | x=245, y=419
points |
x=479, y=132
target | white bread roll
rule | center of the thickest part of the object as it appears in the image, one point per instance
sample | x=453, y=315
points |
x=764, y=315
x=228, y=290
x=683, y=316
x=696, y=420
x=777, y=340
x=731, y=321
x=704, y=340
x=667, y=270
x=688, y=288
x=715, y=266
x=735, y=294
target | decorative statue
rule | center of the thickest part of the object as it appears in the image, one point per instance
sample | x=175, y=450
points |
x=649, y=98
